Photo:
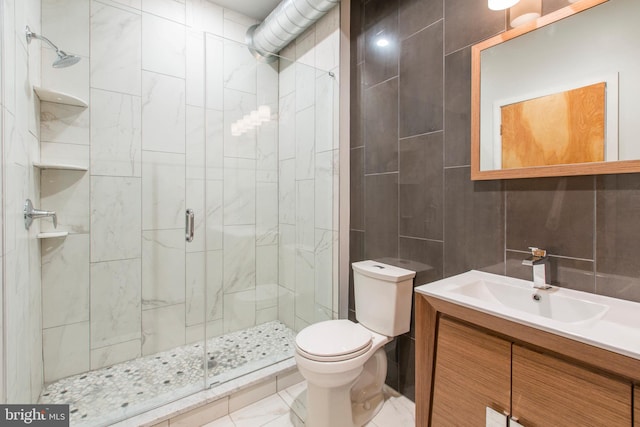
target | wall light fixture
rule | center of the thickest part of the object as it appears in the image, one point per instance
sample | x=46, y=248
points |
x=501, y=4
x=525, y=11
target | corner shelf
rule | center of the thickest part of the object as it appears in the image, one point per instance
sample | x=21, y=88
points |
x=59, y=97
x=52, y=235
x=62, y=166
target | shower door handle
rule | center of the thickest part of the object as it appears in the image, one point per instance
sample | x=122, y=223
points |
x=189, y=225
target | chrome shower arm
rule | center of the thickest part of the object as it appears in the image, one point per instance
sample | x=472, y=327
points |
x=31, y=35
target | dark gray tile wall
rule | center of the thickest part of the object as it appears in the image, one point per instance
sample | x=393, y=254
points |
x=411, y=193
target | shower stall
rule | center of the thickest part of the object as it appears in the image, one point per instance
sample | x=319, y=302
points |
x=195, y=191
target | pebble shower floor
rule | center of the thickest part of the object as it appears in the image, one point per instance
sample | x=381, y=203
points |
x=109, y=394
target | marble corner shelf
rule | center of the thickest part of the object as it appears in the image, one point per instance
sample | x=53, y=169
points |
x=59, y=97
x=62, y=166
x=52, y=235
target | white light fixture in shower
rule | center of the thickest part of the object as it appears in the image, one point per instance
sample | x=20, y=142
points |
x=501, y=4
x=525, y=11
x=382, y=42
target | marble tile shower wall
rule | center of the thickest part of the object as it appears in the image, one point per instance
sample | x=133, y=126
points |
x=308, y=176
x=20, y=265
x=411, y=193
x=164, y=80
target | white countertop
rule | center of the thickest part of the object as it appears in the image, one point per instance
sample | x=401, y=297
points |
x=616, y=328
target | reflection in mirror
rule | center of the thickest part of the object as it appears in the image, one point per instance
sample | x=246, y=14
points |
x=559, y=93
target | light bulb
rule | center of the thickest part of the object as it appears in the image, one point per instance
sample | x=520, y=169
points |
x=501, y=4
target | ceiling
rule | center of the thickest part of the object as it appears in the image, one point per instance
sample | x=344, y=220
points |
x=258, y=9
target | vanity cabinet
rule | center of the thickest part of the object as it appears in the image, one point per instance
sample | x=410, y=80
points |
x=636, y=406
x=464, y=366
x=548, y=391
x=472, y=373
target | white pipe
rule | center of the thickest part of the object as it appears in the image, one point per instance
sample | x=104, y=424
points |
x=286, y=22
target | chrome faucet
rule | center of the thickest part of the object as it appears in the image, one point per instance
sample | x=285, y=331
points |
x=30, y=213
x=539, y=261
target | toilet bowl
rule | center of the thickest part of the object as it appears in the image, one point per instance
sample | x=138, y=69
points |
x=344, y=362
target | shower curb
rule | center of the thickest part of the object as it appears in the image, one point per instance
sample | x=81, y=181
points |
x=239, y=391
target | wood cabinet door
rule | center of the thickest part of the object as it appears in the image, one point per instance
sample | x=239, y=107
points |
x=636, y=406
x=547, y=391
x=472, y=372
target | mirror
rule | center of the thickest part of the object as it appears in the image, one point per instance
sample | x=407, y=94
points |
x=559, y=96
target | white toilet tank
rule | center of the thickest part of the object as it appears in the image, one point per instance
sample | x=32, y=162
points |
x=383, y=297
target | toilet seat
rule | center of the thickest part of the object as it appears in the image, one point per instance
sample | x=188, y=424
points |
x=333, y=341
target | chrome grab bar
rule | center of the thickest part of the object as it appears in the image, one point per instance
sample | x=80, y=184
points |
x=189, y=225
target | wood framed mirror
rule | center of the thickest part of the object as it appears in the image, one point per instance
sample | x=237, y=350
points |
x=559, y=96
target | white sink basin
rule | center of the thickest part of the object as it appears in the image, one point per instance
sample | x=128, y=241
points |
x=601, y=321
x=540, y=303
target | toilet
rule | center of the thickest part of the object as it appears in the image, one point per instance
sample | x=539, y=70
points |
x=344, y=363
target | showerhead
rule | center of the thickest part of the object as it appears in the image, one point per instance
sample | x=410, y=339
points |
x=64, y=59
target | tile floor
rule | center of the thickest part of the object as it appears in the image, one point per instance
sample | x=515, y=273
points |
x=287, y=408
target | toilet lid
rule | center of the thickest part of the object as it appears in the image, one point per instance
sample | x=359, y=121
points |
x=333, y=340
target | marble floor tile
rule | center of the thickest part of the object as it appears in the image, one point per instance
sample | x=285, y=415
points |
x=287, y=408
x=260, y=413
